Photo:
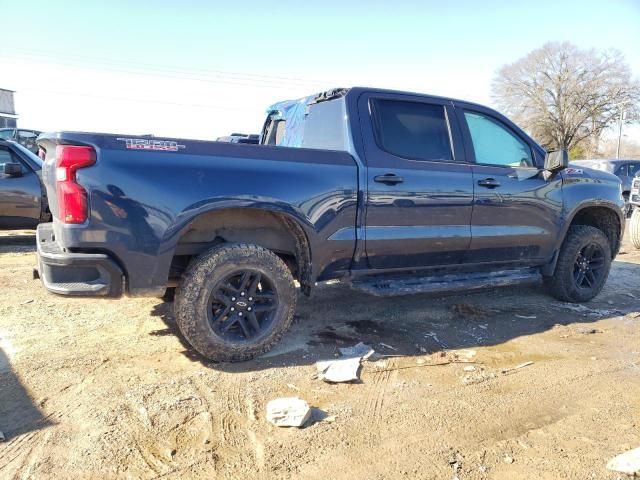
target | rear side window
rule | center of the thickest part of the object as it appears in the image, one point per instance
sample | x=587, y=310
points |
x=634, y=168
x=417, y=131
x=622, y=171
x=495, y=144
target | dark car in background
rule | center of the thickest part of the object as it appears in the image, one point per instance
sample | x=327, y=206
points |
x=24, y=136
x=625, y=170
x=23, y=198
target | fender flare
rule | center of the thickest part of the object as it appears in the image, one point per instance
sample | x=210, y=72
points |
x=295, y=221
x=589, y=204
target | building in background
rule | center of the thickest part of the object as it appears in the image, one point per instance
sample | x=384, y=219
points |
x=8, y=117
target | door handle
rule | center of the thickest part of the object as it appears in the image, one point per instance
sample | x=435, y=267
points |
x=388, y=178
x=489, y=183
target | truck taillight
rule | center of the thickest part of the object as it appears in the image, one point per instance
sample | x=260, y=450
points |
x=72, y=197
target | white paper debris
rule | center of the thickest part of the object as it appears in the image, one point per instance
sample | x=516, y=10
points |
x=628, y=462
x=288, y=412
x=339, y=371
x=360, y=350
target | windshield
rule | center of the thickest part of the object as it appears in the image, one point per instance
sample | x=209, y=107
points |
x=29, y=154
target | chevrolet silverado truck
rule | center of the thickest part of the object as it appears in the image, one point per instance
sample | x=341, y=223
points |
x=392, y=192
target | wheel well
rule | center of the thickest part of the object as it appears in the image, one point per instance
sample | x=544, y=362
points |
x=604, y=219
x=274, y=231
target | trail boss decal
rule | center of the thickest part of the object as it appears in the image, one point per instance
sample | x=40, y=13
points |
x=151, y=144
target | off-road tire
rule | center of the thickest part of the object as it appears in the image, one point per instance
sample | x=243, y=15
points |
x=204, y=273
x=634, y=227
x=562, y=284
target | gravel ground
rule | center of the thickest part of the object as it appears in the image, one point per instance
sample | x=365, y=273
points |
x=107, y=389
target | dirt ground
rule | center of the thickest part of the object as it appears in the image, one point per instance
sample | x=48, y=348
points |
x=107, y=389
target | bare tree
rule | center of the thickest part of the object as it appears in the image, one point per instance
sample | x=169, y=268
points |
x=563, y=95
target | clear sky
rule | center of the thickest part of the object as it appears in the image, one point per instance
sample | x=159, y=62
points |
x=202, y=69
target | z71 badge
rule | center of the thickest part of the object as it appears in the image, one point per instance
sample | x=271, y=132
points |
x=151, y=144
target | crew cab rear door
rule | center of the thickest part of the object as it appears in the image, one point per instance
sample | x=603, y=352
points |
x=516, y=211
x=419, y=186
x=20, y=193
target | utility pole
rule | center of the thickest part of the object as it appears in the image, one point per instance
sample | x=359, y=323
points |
x=620, y=131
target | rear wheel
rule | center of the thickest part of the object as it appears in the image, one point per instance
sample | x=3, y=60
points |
x=634, y=227
x=235, y=302
x=583, y=265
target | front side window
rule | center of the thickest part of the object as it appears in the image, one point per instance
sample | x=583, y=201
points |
x=412, y=130
x=494, y=144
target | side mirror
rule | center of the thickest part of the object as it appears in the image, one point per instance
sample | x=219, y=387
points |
x=11, y=169
x=556, y=161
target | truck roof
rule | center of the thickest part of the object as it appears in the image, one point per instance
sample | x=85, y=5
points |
x=339, y=92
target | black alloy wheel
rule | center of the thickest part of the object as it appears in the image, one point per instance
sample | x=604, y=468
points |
x=242, y=306
x=588, y=268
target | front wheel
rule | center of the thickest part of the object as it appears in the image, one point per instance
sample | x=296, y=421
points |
x=583, y=265
x=634, y=227
x=235, y=302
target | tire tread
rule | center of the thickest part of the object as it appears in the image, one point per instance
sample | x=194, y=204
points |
x=560, y=284
x=634, y=227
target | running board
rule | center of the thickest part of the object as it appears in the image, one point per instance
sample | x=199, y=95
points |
x=391, y=286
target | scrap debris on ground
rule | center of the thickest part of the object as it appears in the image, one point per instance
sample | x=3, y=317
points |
x=288, y=412
x=628, y=462
x=344, y=369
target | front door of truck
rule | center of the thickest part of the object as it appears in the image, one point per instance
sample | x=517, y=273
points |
x=517, y=209
x=419, y=186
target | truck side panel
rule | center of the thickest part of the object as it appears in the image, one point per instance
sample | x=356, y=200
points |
x=141, y=201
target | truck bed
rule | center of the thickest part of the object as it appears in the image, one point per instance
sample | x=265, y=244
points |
x=144, y=193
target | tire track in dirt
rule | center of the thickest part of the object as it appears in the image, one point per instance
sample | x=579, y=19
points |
x=374, y=403
x=30, y=438
x=132, y=428
x=236, y=414
x=210, y=405
x=33, y=456
x=234, y=410
x=14, y=449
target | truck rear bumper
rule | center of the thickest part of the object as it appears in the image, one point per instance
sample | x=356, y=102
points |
x=76, y=274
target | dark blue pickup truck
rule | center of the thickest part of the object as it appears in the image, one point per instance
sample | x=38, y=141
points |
x=394, y=192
